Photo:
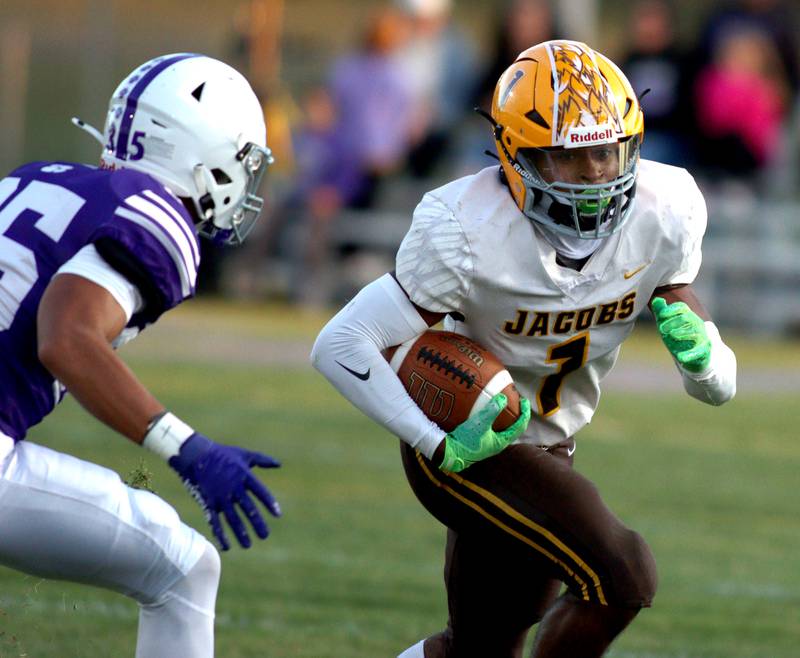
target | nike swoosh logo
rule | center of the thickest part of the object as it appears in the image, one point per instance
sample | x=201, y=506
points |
x=363, y=376
x=570, y=451
x=628, y=275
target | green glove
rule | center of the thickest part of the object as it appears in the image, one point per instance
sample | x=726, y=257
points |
x=684, y=334
x=475, y=439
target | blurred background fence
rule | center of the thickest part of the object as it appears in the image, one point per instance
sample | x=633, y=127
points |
x=369, y=104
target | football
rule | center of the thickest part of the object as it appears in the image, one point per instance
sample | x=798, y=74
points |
x=451, y=377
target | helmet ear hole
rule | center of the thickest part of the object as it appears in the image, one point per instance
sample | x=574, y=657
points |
x=220, y=177
x=628, y=106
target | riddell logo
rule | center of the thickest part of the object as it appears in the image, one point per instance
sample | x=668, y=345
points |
x=588, y=135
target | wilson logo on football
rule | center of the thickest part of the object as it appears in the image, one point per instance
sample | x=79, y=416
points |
x=436, y=403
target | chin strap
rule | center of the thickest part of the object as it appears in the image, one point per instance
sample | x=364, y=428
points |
x=496, y=127
x=205, y=202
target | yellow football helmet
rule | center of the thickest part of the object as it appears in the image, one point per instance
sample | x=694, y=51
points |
x=568, y=127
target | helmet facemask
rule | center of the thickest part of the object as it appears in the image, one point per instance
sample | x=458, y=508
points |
x=231, y=225
x=587, y=210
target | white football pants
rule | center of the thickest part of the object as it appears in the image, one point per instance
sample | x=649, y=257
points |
x=66, y=519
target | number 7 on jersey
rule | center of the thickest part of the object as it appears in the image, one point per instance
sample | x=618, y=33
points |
x=569, y=355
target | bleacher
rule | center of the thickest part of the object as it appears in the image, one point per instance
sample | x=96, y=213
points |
x=750, y=278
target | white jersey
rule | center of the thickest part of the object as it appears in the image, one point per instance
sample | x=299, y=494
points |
x=471, y=252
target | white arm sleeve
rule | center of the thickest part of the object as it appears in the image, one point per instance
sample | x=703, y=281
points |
x=717, y=383
x=348, y=352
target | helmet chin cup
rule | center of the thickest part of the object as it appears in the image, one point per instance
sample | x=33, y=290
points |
x=585, y=212
x=219, y=236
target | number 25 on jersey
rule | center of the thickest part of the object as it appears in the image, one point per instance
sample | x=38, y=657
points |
x=43, y=207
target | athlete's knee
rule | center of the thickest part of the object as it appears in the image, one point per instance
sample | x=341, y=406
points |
x=635, y=576
x=209, y=567
x=198, y=586
x=202, y=580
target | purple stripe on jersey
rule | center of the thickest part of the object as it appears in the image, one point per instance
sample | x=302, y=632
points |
x=133, y=101
x=158, y=232
x=167, y=224
x=191, y=236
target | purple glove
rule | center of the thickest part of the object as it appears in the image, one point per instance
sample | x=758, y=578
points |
x=219, y=477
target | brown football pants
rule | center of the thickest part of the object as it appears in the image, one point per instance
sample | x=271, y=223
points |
x=519, y=525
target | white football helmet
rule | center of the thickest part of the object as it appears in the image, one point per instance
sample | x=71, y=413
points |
x=194, y=124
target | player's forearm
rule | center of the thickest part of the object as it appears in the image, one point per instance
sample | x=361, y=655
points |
x=348, y=353
x=717, y=383
x=92, y=373
x=76, y=322
x=384, y=399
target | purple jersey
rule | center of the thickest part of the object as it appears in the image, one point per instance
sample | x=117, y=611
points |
x=48, y=212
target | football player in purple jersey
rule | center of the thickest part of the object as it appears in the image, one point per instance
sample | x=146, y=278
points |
x=88, y=258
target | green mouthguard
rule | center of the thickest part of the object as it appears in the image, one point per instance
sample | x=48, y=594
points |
x=591, y=206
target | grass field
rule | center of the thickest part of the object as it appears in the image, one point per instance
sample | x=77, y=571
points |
x=353, y=569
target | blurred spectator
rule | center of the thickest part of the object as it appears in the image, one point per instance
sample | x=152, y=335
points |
x=656, y=68
x=777, y=19
x=326, y=180
x=440, y=63
x=742, y=101
x=373, y=99
x=292, y=247
x=354, y=131
x=522, y=24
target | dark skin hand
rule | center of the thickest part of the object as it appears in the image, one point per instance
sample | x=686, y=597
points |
x=76, y=322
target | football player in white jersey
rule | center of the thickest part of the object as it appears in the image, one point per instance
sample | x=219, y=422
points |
x=88, y=258
x=547, y=260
